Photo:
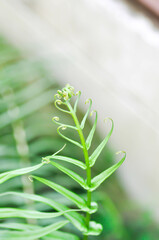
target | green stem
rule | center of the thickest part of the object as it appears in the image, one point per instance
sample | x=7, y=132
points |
x=88, y=170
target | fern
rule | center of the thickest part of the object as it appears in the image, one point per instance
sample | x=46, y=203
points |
x=82, y=221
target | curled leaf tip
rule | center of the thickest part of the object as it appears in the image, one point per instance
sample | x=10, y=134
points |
x=88, y=100
x=70, y=88
x=45, y=160
x=59, y=150
x=59, y=92
x=108, y=118
x=30, y=178
x=56, y=96
x=65, y=93
x=55, y=118
x=94, y=111
x=59, y=102
x=78, y=93
x=120, y=152
x=63, y=127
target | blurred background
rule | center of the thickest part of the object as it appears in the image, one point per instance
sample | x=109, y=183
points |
x=108, y=49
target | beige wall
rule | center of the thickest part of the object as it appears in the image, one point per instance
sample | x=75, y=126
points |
x=112, y=54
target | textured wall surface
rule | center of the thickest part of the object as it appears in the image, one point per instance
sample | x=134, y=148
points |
x=111, y=53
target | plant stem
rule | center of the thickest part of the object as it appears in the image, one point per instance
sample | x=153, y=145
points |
x=86, y=156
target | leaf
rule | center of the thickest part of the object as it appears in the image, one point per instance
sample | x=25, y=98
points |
x=71, y=174
x=79, y=201
x=96, y=181
x=58, y=235
x=86, y=115
x=98, y=150
x=32, y=90
x=25, y=213
x=76, y=219
x=18, y=226
x=56, y=120
x=59, y=102
x=63, y=127
x=31, y=234
x=94, y=229
x=28, y=108
x=77, y=100
x=91, y=134
x=7, y=175
x=68, y=159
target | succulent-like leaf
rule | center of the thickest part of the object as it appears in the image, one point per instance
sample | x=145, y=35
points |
x=7, y=175
x=94, y=229
x=71, y=174
x=96, y=181
x=31, y=234
x=99, y=149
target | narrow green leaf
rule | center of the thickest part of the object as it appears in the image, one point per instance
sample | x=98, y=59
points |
x=68, y=159
x=58, y=235
x=75, y=218
x=25, y=213
x=18, y=226
x=31, y=234
x=78, y=94
x=79, y=201
x=63, y=127
x=91, y=134
x=59, y=102
x=96, y=181
x=28, y=108
x=98, y=150
x=30, y=91
x=86, y=115
x=56, y=120
x=7, y=175
x=71, y=174
x=94, y=229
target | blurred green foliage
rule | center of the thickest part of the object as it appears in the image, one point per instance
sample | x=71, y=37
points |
x=27, y=134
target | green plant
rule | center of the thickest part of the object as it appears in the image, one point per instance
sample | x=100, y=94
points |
x=82, y=221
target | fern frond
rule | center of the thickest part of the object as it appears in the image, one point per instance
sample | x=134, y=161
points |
x=64, y=97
